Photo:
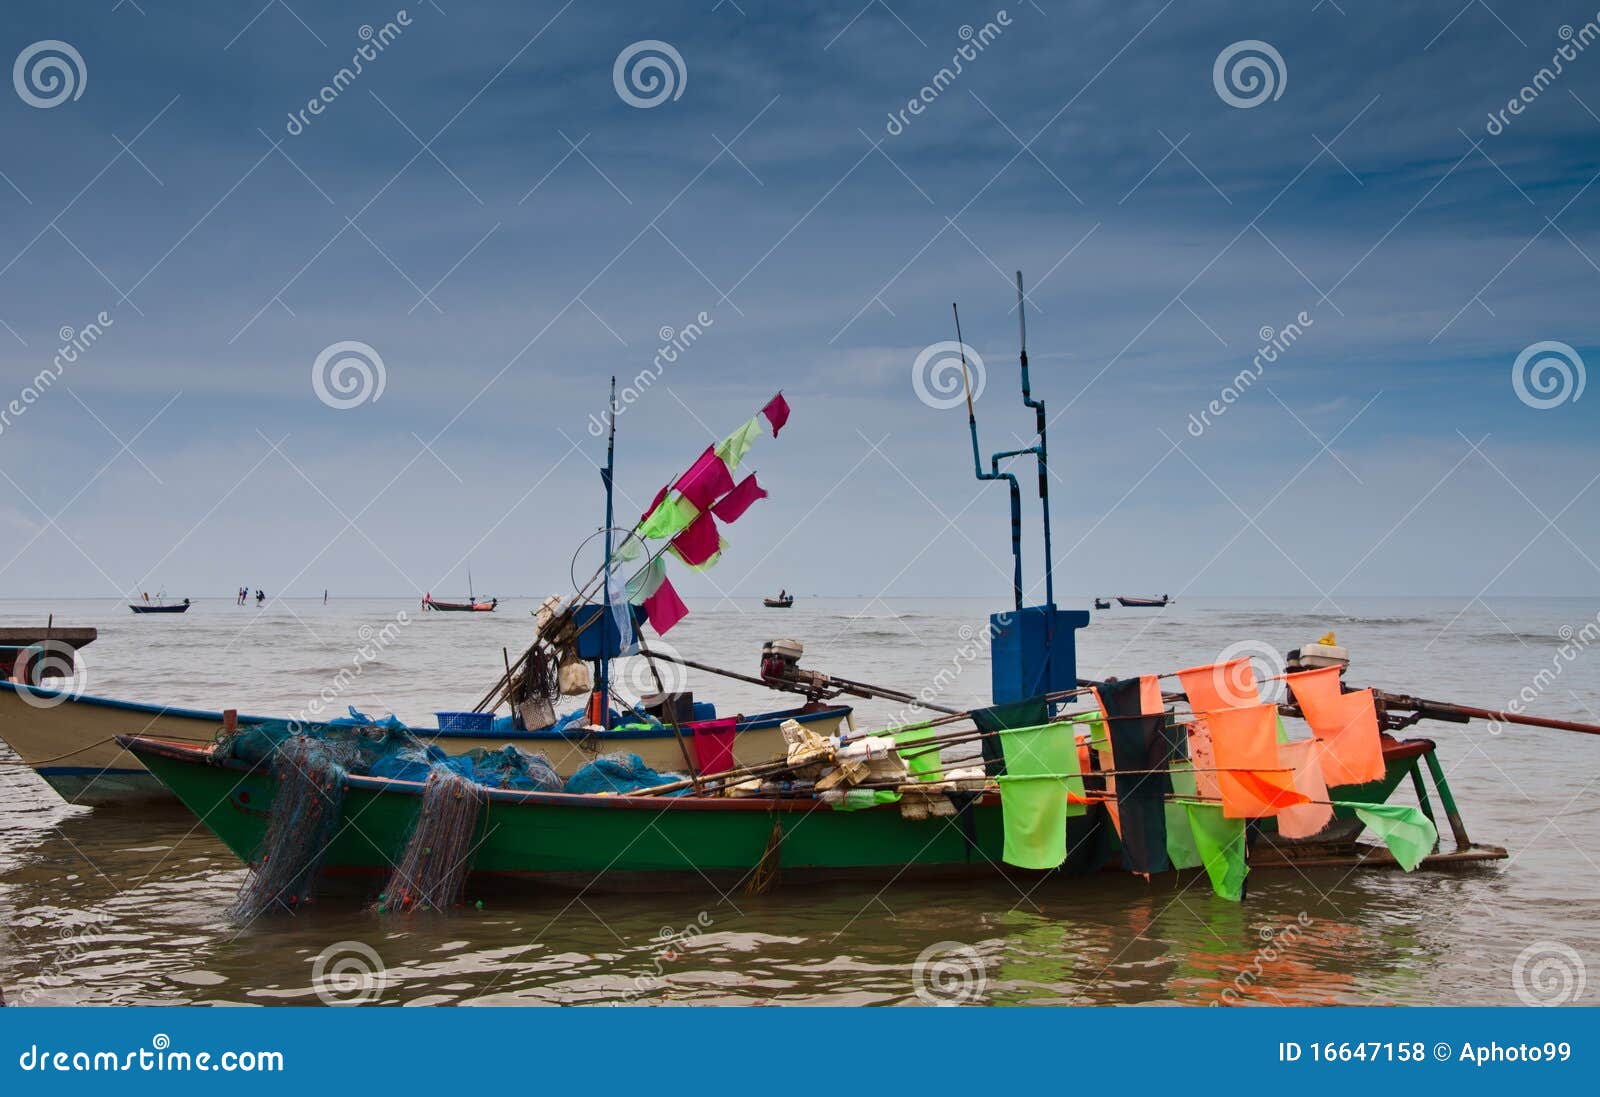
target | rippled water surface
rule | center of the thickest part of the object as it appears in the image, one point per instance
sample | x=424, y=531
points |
x=120, y=906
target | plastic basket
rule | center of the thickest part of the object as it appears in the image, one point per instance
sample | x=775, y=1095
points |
x=466, y=721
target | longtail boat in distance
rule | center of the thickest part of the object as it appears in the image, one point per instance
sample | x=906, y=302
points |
x=1141, y=603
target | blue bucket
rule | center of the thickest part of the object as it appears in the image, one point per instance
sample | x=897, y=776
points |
x=466, y=721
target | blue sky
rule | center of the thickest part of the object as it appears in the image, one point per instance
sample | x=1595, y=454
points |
x=485, y=210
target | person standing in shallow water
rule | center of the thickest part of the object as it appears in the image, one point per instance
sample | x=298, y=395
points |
x=261, y=596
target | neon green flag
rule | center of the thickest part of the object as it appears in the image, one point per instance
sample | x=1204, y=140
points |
x=927, y=767
x=857, y=798
x=1409, y=834
x=671, y=517
x=1220, y=843
x=1033, y=815
x=1181, y=850
x=733, y=448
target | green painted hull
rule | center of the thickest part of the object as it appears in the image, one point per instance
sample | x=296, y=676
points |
x=589, y=839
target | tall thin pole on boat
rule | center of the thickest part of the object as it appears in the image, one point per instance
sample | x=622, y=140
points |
x=607, y=475
x=1042, y=452
x=994, y=472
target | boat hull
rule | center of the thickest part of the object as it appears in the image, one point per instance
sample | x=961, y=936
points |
x=70, y=740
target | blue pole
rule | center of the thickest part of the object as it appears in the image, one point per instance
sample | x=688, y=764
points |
x=994, y=473
x=607, y=475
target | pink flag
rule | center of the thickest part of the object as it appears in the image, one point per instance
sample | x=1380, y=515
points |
x=706, y=481
x=713, y=744
x=665, y=607
x=777, y=413
x=737, y=501
x=1305, y=820
x=700, y=542
x=654, y=503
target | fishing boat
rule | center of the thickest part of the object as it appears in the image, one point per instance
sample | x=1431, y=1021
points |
x=783, y=601
x=160, y=606
x=1102, y=603
x=429, y=602
x=69, y=739
x=1142, y=603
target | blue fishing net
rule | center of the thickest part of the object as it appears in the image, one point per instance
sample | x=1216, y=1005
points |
x=618, y=774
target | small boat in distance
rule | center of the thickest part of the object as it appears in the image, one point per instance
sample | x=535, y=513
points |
x=1102, y=603
x=471, y=605
x=783, y=601
x=1144, y=602
x=160, y=605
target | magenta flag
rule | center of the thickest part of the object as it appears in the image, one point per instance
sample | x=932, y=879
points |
x=654, y=503
x=707, y=480
x=700, y=542
x=665, y=607
x=732, y=505
x=777, y=413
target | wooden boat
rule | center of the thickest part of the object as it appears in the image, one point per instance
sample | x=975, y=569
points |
x=1143, y=603
x=1102, y=603
x=430, y=602
x=627, y=842
x=159, y=607
x=69, y=739
x=778, y=603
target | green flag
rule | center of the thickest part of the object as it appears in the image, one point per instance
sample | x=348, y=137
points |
x=1220, y=844
x=646, y=580
x=1033, y=815
x=670, y=517
x=1181, y=850
x=733, y=448
x=1409, y=834
x=857, y=798
x=927, y=767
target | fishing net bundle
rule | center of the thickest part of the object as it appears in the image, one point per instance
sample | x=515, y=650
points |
x=619, y=774
x=432, y=872
x=302, y=823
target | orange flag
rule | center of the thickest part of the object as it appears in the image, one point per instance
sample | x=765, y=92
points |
x=1305, y=756
x=1316, y=692
x=1244, y=742
x=1203, y=760
x=1221, y=685
x=1150, y=702
x=1352, y=751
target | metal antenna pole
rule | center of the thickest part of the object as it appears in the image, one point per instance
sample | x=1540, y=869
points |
x=994, y=472
x=606, y=475
x=1043, y=450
